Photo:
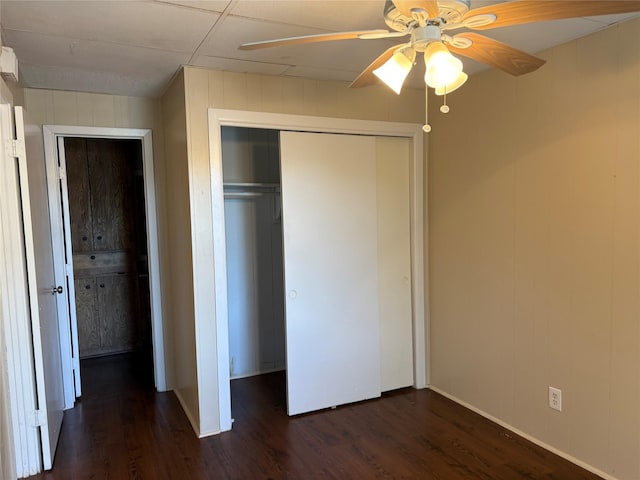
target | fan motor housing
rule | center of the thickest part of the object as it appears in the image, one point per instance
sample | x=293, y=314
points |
x=450, y=11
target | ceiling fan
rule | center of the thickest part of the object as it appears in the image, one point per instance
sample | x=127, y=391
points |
x=428, y=23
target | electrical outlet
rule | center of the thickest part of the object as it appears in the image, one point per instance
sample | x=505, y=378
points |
x=555, y=398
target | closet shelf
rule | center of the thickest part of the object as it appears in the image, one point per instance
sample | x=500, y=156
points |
x=237, y=190
x=251, y=185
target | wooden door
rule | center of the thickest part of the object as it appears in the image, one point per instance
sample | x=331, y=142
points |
x=101, y=188
x=331, y=269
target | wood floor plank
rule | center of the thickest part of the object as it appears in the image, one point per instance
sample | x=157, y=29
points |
x=122, y=430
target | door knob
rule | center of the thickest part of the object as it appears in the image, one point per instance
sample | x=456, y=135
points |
x=55, y=289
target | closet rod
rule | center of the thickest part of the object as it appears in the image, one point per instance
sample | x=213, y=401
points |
x=242, y=194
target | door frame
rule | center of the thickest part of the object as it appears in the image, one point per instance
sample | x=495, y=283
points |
x=51, y=135
x=248, y=119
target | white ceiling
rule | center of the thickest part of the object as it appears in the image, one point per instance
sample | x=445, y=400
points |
x=135, y=47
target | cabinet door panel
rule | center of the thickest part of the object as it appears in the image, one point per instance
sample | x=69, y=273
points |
x=110, y=175
x=116, y=303
x=79, y=196
x=87, y=314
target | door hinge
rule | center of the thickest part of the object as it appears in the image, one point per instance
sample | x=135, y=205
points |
x=39, y=418
x=15, y=148
x=62, y=173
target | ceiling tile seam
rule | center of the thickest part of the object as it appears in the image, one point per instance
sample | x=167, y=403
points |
x=288, y=66
x=189, y=7
x=105, y=42
x=285, y=24
x=213, y=28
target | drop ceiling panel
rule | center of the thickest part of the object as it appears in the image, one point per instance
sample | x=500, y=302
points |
x=79, y=80
x=322, y=73
x=235, y=31
x=241, y=66
x=38, y=49
x=528, y=37
x=153, y=25
x=343, y=54
x=322, y=14
x=211, y=5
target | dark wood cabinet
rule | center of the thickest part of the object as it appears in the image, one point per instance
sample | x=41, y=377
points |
x=107, y=243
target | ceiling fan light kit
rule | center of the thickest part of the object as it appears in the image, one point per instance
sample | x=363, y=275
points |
x=395, y=70
x=426, y=20
x=457, y=83
x=441, y=68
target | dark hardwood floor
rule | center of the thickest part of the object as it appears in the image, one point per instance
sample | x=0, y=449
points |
x=121, y=429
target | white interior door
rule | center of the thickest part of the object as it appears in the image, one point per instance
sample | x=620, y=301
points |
x=331, y=269
x=43, y=290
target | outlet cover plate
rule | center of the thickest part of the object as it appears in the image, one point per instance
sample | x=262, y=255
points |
x=555, y=398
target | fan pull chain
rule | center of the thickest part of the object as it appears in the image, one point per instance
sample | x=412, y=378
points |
x=445, y=108
x=426, y=127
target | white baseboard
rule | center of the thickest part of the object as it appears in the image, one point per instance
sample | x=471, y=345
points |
x=538, y=442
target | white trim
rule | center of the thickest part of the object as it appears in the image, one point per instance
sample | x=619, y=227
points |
x=56, y=169
x=238, y=118
x=526, y=436
x=68, y=336
x=145, y=136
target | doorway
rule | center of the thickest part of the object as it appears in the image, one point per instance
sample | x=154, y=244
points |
x=112, y=274
x=253, y=230
x=106, y=205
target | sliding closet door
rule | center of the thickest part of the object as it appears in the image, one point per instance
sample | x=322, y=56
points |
x=331, y=269
x=394, y=262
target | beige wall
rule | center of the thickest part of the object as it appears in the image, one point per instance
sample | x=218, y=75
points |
x=179, y=263
x=57, y=107
x=534, y=234
x=209, y=88
x=96, y=110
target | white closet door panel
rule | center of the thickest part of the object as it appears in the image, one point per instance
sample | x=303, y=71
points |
x=331, y=269
x=394, y=262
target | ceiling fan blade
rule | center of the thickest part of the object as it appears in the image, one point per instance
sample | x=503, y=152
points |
x=489, y=51
x=323, y=37
x=527, y=11
x=405, y=6
x=367, y=77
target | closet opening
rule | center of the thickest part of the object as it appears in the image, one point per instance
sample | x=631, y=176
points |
x=107, y=223
x=254, y=252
